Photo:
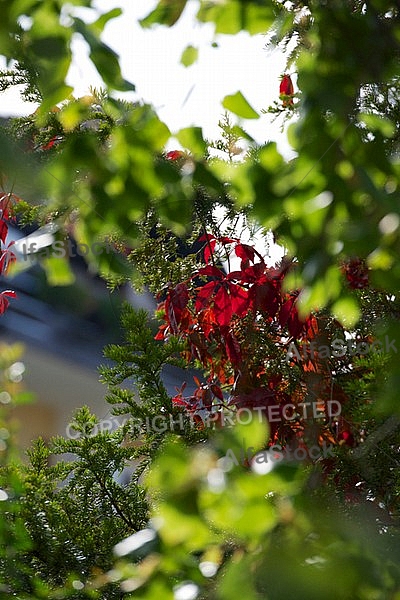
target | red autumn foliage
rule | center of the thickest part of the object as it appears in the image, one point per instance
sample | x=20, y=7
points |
x=4, y=302
x=356, y=273
x=7, y=257
x=175, y=155
x=54, y=141
x=223, y=318
x=238, y=326
x=3, y=230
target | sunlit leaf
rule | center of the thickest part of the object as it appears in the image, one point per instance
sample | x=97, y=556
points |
x=232, y=16
x=103, y=57
x=167, y=12
x=58, y=271
x=98, y=26
x=189, y=56
x=347, y=311
x=192, y=139
x=378, y=123
x=238, y=104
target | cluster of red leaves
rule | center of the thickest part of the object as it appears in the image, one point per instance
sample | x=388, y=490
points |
x=218, y=317
x=238, y=326
x=356, y=273
x=7, y=257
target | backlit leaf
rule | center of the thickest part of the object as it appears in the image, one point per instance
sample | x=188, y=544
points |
x=192, y=139
x=238, y=104
x=189, y=56
x=167, y=12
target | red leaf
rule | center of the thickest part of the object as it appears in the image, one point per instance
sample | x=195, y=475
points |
x=9, y=293
x=226, y=240
x=6, y=200
x=289, y=316
x=209, y=246
x=205, y=294
x=234, y=275
x=254, y=273
x=206, y=320
x=206, y=236
x=210, y=271
x=3, y=230
x=233, y=349
x=179, y=401
x=4, y=302
x=175, y=303
x=161, y=332
x=54, y=141
x=295, y=324
x=211, y=242
x=239, y=299
x=7, y=257
x=222, y=240
x=247, y=253
x=265, y=297
x=209, y=250
x=216, y=390
x=174, y=155
x=223, y=307
x=356, y=272
x=284, y=313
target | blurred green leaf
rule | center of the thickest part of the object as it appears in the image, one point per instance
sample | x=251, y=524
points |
x=377, y=123
x=104, y=58
x=192, y=139
x=98, y=26
x=237, y=577
x=232, y=16
x=58, y=271
x=189, y=56
x=167, y=12
x=238, y=104
x=346, y=309
x=240, y=509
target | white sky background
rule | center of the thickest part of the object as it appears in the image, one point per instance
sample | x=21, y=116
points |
x=182, y=96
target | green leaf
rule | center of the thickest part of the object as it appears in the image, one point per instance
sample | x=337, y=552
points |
x=241, y=133
x=347, y=311
x=102, y=21
x=51, y=99
x=167, y=12
x=236, y=576
x=238, y=104
x=189, y=56
x=182, y=524
x=192, y=139
x=104, y=58
x=233, y=16
x=206, y=178
x=239, y=511
x=253, y=433
x=157, y=589
x=175, y=211
x=378, y=123
x=58, y=271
